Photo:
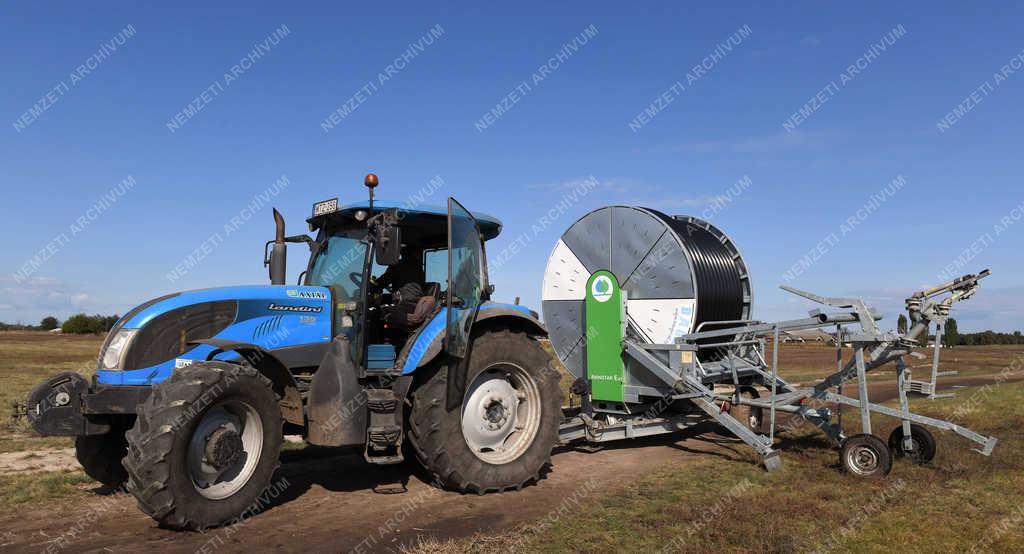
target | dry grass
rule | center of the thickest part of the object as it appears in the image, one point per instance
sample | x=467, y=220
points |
x=566, y=378
x=18, y=490
x=28, y=357
x=959, y=500
x=725, y=504
x=806, y=361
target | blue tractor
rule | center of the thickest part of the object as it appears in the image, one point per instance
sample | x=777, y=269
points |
x=390, y=344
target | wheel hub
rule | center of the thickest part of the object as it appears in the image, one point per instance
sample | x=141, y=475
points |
x=223, y=448
x=915, y=449
x=500, y=413
x=490, y=414
x=755, y=419
x=864, y=459
x=496, y=414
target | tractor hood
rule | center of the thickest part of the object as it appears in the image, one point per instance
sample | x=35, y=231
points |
x=151, y=340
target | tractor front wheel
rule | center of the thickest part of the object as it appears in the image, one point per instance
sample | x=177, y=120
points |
x=502, y=434
x=205, y=445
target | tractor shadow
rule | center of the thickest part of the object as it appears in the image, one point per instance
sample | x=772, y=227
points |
x=711, y=439
x=345, y=470
x=704, y=439
x=336, y=470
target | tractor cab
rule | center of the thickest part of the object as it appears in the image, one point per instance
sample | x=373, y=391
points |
x=392, y=268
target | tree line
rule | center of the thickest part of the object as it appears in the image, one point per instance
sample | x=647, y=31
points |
x=951, y=336
x=78, y=324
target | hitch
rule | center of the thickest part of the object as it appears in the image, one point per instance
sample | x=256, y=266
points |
x=54, y=407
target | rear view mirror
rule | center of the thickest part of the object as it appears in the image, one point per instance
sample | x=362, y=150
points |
x=388, y=239
x=389, y=246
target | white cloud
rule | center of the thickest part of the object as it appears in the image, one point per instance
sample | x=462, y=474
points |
x=810, y=41
x=624, y=186
x=680, y=202
x=755, y=145
x=995, y=309
x=37, y=297
x=79, y=299
x=613, y=184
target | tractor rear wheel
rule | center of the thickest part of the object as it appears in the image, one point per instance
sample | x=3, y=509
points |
x=205, y=445
x=100, y=455
x=502, y=434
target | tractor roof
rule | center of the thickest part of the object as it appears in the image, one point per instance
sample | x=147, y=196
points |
x=421, y=214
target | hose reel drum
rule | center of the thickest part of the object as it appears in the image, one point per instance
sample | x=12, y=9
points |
x=671, y=273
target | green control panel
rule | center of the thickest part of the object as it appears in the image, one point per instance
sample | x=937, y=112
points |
x=605, y=320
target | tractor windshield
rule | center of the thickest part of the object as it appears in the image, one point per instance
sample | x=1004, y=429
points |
x=339, y=263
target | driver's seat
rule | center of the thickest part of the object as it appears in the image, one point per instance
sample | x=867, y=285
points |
x=410, y=313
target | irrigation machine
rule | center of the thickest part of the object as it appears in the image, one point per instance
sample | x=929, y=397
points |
x=390, y=344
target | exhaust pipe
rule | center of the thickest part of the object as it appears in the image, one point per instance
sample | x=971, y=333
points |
x=278, y=252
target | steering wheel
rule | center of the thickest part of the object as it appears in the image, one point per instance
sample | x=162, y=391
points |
x=357, y=279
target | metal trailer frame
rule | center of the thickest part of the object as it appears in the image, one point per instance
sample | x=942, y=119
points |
x=692, y=376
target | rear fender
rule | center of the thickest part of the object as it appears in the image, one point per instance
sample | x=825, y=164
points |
x=428, y=341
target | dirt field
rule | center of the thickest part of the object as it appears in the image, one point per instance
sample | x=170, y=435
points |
x=28, y=357
x=806, y=361
x=324, y=500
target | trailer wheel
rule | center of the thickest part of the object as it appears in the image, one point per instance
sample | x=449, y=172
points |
x=501, y=436
x=924, y=447
x=100, y=455
x=865, y=455
x=204, y=446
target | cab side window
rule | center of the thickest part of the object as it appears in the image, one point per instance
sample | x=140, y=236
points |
x=436, y=266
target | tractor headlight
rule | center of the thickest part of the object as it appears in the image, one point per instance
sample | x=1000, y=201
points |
x=112, y=356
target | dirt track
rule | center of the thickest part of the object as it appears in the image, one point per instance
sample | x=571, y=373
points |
x=327, y=502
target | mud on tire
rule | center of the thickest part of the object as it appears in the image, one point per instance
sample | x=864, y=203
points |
x=436, y=434
x=158, y=459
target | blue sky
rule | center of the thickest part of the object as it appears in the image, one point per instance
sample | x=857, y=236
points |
x=879, y=124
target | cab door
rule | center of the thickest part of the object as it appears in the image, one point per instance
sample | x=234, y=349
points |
x=466, y=278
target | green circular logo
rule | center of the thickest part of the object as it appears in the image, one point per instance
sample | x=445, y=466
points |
x=601, y=289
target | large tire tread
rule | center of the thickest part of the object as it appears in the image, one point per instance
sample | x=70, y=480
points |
x=454, y=466
x=152, y=439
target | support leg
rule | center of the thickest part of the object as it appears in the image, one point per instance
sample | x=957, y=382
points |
x=775, y=381
x=862, y=389
x=935, y=361
x=901, y=377
x=839, y=367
